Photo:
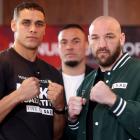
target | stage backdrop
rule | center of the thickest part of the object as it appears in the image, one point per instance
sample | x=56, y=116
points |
x=48, y=50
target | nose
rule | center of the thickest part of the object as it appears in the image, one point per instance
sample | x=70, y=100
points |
x=69, y=46
x=102, y=42
x=32, y=28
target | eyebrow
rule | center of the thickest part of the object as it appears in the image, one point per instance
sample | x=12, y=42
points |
x=75, y=38
x=110, y=33
x=35, y=21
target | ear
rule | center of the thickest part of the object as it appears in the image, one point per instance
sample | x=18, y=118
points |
x=122, y=39
x=13, y=25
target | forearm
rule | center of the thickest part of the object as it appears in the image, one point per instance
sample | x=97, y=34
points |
x=127, y=113
x=7, y=103
x=59, y=124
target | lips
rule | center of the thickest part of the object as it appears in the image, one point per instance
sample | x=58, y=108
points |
x=102, y=51
x=32, y=37
x=70, y=55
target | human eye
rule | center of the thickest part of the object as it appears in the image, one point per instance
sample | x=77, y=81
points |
x=94, y=37
x=40, y=23
x=63, y=42
x=110, y=36
x=75, y=41
x=26, y=22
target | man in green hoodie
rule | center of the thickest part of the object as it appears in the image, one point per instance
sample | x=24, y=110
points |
x=108, y=106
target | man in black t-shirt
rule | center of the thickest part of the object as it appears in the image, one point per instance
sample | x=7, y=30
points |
x=31, y=91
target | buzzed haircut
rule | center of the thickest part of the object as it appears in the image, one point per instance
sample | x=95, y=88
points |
x=68, y=26
x=28, y=5
x=72, y=26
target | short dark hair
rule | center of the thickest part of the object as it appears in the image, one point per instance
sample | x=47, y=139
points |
x=68, y=26
x=76, y=26
x=28, y=5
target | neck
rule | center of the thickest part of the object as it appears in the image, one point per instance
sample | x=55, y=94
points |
x=77, y=70
x=26, y=53
x=104, y=69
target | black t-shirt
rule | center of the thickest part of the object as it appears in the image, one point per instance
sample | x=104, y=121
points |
x=92, y=105
x=33, y=119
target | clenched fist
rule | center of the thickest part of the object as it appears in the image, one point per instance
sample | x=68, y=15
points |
x=56, y=95
x=102, y=94
x=74, y=107
x=29, y=89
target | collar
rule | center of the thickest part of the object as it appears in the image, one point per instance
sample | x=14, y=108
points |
x=124, y=58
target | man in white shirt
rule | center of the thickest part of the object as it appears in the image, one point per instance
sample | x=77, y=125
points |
x=72, y=42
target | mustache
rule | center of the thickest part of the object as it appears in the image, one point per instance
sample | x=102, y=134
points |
x=103, y=50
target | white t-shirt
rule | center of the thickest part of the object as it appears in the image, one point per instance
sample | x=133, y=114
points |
x=71, y=84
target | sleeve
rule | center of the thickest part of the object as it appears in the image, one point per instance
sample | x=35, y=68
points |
x=71, y=130
x=128, y=114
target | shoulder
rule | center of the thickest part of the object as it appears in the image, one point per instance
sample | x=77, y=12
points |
x=50, y=71
x=4, y=53
x=47, y=66
x=5, y=57
x=88, y=69
x=134, y=63
x=90, y=75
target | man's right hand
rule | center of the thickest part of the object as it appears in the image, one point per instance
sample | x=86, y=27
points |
x=74, y=107
x=29, y=89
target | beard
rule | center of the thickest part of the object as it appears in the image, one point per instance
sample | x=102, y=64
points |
x=72, y=63
x=108, y=59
